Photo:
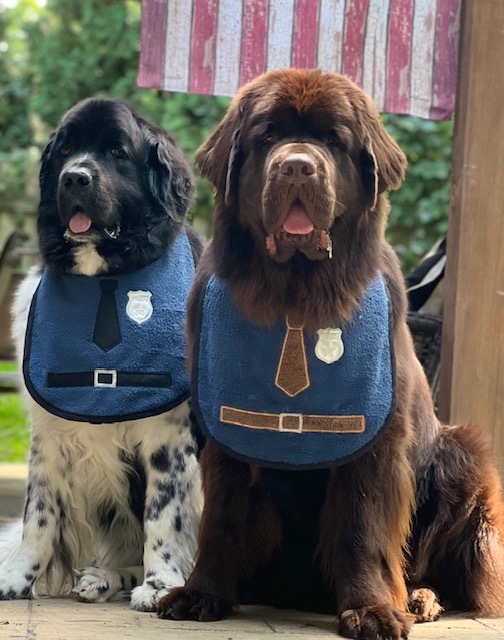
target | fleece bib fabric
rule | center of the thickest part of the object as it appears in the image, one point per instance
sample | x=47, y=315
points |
x=331, y=413
x=112, y=348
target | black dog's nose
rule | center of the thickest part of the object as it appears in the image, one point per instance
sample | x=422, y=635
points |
x=298, y=167
x=76, y=178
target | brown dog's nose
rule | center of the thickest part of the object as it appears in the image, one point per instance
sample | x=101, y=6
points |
x=297, y=167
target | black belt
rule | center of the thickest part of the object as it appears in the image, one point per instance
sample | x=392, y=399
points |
x=108, y=378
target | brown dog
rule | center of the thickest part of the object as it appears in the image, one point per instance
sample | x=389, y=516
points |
x=302, y=164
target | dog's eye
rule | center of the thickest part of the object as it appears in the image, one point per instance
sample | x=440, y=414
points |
x=334, y=141
x=118, y=153
x=269, y=139
x=65, y=150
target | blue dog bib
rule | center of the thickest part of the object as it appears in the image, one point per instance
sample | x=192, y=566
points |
x=344, y=409
x=143, y=374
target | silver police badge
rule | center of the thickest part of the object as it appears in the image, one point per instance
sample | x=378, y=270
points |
x=329, y=347
x=139, y=307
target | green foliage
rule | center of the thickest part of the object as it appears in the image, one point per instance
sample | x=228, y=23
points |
x=15, y=428
x=14, y=89
x=419, y=215
x=15, y=432
x=14, y=109
x=79, y=49
x=13, y=174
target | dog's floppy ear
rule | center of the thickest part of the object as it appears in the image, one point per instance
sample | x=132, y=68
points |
x=369, y=167
x=48, y=147
x=383, y=163
x=170, y=177
x=219, y=158
x=44, y=160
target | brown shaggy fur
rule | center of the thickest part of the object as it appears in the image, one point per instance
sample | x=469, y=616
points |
x=317, y=140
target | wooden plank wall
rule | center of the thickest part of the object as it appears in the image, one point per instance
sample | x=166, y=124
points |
x=472, y=376
x=401, y=52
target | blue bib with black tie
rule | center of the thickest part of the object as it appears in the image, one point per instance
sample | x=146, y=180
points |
x=111, y=348
x=281, y=397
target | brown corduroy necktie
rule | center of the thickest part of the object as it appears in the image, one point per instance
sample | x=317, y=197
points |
x=292, y=374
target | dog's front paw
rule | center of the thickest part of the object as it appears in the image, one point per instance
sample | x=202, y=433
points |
x=424, y=604
x=146, y=597
x=156, y=585
x=191, y=604
x=18, y=590
x=381, y=622
x=16, y=584
x=97, y=584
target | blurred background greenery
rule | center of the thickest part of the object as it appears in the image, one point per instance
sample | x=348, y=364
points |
x=54, y=53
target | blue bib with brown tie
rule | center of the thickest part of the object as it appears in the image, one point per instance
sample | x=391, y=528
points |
x=111, y=348
x=280, y=397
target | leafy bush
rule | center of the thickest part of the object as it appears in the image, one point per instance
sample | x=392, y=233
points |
x=15, y=432
x=14, y=113
x=15, y=428
x=419, y=215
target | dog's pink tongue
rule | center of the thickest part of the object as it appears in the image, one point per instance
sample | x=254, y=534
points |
x=297, y=221
x=79, y=223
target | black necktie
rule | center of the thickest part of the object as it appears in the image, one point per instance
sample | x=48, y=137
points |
x=106, y=333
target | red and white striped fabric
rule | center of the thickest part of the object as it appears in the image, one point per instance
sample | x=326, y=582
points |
x=402, y=52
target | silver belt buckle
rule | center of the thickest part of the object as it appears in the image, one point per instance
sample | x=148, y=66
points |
x=105, y=372
x=298, y=429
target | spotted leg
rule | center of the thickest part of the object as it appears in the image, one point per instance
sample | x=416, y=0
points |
x=43, y=520
x=172, y=511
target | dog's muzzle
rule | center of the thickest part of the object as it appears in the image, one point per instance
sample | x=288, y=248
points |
x=297, y=202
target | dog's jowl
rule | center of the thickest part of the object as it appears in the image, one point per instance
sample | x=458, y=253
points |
x=113, y=474
x=323, y=446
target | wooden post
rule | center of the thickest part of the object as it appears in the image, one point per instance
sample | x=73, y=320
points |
x=472, y=373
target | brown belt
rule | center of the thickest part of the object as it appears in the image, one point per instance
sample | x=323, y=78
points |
x=293, y=422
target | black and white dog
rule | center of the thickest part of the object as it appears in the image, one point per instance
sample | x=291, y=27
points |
x=113, y=473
